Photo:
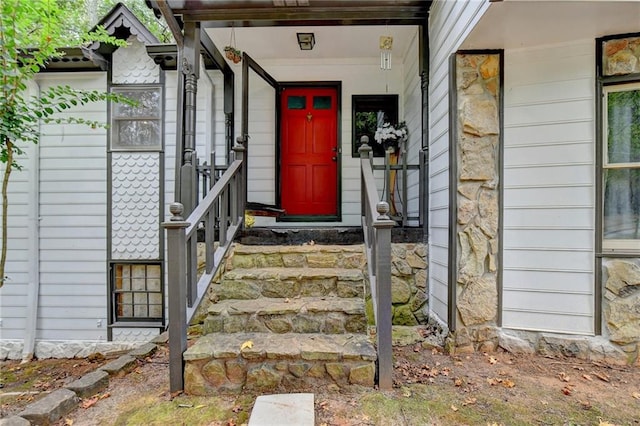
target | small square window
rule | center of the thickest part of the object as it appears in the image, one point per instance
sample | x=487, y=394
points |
x=322, y=102
x=296, y=102
x=138, y=292
x=368, y=110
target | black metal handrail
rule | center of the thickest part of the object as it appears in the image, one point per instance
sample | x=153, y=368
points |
x=223, y=204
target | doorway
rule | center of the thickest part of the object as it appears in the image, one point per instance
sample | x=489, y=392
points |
x=309, y=153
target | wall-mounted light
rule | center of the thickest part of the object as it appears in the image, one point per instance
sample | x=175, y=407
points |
x=306, y=41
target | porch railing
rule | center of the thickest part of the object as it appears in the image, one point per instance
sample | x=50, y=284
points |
x=376, y=226
x=224, y=204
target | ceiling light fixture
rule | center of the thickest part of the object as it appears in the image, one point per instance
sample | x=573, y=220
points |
x=306, y=41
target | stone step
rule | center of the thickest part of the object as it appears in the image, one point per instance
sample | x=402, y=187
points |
x=284, y=282
x=329, y=315
x=297, y=256
x=264, y=362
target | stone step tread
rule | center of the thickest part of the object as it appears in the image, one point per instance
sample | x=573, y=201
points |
x=335, y=347
x=308, y=248
x=293, y=273
x=279, y=306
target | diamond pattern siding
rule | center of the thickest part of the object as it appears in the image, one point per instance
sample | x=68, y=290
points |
x=132, y=65
x=135, y=195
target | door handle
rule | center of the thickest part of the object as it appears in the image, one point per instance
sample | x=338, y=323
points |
x=334, y=158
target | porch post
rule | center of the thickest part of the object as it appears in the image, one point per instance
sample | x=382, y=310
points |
x=383, y=225
x=424, y=153
x=176, y=273
x=190, y=73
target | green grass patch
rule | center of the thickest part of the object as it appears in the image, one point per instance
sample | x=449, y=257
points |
x=180, y=411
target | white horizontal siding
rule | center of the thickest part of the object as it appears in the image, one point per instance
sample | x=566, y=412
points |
x=73, y=207
x=549, y=194
x=449, y=24
x=412, y=107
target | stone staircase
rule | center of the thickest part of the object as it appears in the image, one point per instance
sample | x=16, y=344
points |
x=285, y=316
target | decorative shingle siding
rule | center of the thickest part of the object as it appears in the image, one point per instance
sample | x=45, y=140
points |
x=135, y=206
x=133, y=66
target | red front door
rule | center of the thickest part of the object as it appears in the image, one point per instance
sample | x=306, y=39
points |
x=309, y=151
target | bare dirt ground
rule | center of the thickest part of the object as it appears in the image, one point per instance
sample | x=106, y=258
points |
x=431, y=388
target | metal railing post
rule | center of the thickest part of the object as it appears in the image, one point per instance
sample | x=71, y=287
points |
x=383, y=225
x=365, y=152
x=241, y=186
x=177, y=294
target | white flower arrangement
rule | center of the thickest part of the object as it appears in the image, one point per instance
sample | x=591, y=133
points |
x=391, y=135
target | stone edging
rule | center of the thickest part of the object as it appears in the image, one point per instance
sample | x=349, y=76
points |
x=61, y=402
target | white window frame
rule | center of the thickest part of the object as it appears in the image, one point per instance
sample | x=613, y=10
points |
x=614, y=244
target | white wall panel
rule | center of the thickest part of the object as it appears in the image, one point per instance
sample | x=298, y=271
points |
x=73, y=208
x=549, y=193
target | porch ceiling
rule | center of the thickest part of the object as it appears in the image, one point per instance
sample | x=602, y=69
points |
x=512, y=24
x=331, y=42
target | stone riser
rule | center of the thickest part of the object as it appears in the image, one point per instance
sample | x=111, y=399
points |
x=311, y=256
x=320, y=322
x=287, y=285
x=258, y=361
x=234, y=375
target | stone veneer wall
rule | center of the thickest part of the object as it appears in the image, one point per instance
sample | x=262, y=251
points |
x=621, y=277
x=477, y=200
x=409, y=295
x=621, y=56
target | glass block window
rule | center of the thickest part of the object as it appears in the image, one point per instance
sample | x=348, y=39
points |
x=137, y=127
x=138, y=292
x=621, y=167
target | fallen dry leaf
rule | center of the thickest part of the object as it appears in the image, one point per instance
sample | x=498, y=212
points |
x=508, y=383
x=585, y=404
x=86, y=403
x=602, y=376
x=567, y=390
x=469, y=401
x=457, y=382
x=68, y=422
x=454, y=408
x=564, y=377
x=636, y=395
x=493, y=381
x=246, y=345
x=587, y=377
x=492, y=360
x=605, y=423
